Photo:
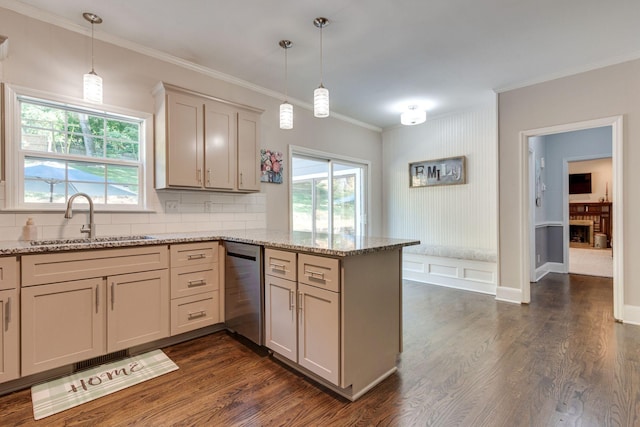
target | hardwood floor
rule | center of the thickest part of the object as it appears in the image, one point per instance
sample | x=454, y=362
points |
x=468, y=360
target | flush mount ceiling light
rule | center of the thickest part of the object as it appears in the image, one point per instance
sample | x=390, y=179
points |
x=286, y=109
x=413, y=116
x=92, y=81
x=321, y=94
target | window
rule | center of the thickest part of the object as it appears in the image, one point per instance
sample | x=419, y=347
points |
x=62, y=149
x=318, y=207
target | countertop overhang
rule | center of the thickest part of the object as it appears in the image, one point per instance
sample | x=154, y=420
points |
x=319, y=243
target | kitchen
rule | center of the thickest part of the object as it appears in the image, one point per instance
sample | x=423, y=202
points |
x=176, y=211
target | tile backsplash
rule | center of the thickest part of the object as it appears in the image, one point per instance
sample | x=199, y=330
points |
x=172, y=212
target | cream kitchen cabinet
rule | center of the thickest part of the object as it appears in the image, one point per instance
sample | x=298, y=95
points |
x=76, y=306
x=303, y=318
x=195, y=286
x=335, y=319
x=204, y=143
x=9, y=321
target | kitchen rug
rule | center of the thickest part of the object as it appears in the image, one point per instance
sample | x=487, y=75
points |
x=59, y=395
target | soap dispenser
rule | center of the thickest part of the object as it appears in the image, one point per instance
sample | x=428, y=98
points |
x=30, y=231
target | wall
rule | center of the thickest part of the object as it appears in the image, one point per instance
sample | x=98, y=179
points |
x=582, y=144
x=601, y=184
x=457, y=215
x=601, y=93
x=52, y=59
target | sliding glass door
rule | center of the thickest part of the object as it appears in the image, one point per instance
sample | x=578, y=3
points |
x=318, y=207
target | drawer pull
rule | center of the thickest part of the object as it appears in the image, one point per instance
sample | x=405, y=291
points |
x=196, y=256
x=197, y=314
x=279, y=267
x=315, y=274
x=199, y=282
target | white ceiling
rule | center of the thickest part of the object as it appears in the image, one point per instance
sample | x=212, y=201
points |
x=379, y=55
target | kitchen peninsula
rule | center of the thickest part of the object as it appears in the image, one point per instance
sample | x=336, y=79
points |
x=333, y=304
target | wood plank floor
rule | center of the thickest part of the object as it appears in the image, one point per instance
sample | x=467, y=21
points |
x=468, y=361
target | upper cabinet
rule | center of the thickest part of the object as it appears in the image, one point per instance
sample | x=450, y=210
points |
x=205, y=143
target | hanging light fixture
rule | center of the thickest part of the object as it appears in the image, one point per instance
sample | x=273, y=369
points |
x=413, y=116
x=286, y=109
x=321, y=94
x=92, y=81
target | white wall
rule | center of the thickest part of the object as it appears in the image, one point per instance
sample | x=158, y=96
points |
x=52, y=59
x=455, y=215
x=600, y=171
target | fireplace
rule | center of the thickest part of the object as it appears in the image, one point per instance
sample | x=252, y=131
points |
x=581, y=232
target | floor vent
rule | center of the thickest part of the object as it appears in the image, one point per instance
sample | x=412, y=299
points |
x=100, y=360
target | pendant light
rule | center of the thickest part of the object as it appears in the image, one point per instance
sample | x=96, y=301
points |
x=413, y=116
x=321, y=94
x=92, y=81
x=286, y=109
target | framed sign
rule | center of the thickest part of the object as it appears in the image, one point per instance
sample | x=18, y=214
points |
x=449, y=171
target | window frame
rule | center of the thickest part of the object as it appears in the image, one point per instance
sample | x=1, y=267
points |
x=340, y=159
x=14, y=156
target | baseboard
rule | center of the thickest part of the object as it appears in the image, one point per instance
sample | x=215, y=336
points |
x=512, y=295
x=469, y=275
x=549, y=267
x=631, y=315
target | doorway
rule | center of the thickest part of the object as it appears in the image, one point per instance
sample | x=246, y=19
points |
x=527, y=204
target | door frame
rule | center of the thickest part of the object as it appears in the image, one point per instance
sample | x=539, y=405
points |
x=528, y=228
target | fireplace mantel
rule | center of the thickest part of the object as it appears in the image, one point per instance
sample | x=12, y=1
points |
x=597, y=214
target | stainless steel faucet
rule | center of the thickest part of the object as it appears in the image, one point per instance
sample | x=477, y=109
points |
x=91, y=230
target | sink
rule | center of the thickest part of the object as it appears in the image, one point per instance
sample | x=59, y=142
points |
x=78, y=241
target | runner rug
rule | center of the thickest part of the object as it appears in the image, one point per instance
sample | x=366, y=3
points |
x=58, y=395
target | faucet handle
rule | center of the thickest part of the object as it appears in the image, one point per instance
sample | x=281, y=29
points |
x=86, y=228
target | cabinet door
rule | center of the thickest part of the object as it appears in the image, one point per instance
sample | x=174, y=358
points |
x=319, y=331
x=9, y=338
x=248, y=151
x=185, y=145
x=280, y=316
x=62, y=323
x=219, y=146
x=138, y=309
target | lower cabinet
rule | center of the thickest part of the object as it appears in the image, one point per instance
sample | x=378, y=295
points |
x=302, y=321
x=75, y=320
x=9, y=320
x=62, y=323
x=138, y=309
x=195, y=286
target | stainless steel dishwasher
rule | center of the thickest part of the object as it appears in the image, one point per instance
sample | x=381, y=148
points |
x=244, y=291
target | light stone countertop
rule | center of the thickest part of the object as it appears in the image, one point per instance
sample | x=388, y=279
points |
x=325, y=244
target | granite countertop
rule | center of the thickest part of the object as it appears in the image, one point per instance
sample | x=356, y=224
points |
x=320, y=243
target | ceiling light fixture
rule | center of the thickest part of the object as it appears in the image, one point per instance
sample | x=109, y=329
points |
x=286, y=109
x=413, y=116
x=321, y=94
x=92, y=81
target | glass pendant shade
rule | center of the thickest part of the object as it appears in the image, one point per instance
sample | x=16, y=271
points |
x=93, y=87
x=413, y=116
x=286, y=116
x=321, y=102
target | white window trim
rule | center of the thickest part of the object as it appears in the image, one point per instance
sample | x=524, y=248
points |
x=303, y=151
x=12, y=172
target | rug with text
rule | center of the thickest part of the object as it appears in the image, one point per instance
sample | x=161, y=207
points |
x=63, y=393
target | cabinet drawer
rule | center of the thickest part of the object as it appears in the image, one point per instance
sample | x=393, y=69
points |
x=280, y=264
x=61, y=267
x=8, y=273
x=192, y=280
x=193, y=312
x=319, y=271
x=194, y=254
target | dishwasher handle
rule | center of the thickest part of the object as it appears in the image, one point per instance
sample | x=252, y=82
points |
x=243, y=256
